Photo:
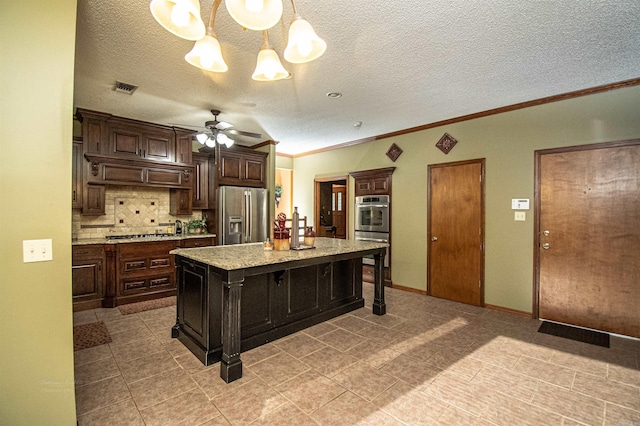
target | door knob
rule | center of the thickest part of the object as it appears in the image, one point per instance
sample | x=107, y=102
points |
x=546, y=232
x=546, y=246
x=434, y=238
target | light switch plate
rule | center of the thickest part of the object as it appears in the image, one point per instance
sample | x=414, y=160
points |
x=37, y=251
x=520, y=216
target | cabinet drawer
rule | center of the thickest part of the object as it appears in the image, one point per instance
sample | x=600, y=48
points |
x=160, y=263
x=129, y=285
x=144, y=284
x=134, y=265
x=88, y=250
x=160, y=281
x=197, y=242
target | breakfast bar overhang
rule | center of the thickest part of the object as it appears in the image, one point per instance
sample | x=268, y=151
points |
x=236, y=297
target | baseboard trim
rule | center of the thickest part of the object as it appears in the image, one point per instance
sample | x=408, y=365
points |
x=486, y=306
x=509, y=310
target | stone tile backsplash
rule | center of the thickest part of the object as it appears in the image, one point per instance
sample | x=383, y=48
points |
x=129, y=210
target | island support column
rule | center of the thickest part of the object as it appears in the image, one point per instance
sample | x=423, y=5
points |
x=231, y=365
x=379, y=306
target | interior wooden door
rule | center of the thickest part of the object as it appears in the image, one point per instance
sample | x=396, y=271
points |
x=338, y=207
x=589, y=237
x=456, y=232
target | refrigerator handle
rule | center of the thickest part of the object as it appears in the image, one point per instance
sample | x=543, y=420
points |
x=248, y=217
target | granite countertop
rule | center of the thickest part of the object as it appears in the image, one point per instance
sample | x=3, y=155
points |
x=87, y=241
x=242, y=256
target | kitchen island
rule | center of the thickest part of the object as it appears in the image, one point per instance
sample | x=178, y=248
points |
x=234, y=298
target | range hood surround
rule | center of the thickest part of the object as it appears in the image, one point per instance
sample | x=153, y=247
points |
x=110, y=170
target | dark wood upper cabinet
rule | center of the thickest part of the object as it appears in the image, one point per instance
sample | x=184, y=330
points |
x=201, y=196
x=180, y=201
x=373, y=182
x=105, y=134
x=76, y=175
x=184, y=146
x=135, y=140
x=242, y=167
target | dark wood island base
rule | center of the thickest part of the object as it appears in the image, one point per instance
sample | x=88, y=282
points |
x=235, y=298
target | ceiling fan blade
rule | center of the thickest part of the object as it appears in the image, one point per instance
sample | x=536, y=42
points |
x=241, y=133
x=223, y=125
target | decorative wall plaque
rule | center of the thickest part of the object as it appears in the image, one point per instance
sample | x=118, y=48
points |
x=394, y=152
x=446, y=143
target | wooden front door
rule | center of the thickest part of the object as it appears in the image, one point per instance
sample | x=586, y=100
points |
x=588, y=236
x=456, y=232
x=338, y=206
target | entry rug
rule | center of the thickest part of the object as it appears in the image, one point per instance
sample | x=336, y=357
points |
x=89, y=335
x=148, y=305
x=575, y=333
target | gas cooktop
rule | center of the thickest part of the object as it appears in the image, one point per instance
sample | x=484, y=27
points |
x=136, y=236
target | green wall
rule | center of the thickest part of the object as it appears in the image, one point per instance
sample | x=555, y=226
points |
x=36, y=106
x=508, y=142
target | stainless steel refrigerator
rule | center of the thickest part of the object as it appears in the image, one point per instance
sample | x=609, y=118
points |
x=243, y=215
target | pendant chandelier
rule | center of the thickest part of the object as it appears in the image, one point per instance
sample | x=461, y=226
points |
x=182, y=18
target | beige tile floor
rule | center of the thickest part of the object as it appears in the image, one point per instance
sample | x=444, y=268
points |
x=427, y=362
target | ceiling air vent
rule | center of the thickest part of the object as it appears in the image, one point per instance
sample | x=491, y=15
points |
x=125, y=88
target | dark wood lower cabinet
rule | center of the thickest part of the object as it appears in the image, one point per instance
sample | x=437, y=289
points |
x=108, y=275
x=145, y=271
x=272, y=304
x=88, y=276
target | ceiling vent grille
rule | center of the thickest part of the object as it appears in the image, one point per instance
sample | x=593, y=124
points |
x=125, y=88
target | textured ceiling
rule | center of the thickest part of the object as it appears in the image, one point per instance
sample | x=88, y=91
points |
x=398, y=64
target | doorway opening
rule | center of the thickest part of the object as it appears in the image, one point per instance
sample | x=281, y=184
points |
x=331, y=207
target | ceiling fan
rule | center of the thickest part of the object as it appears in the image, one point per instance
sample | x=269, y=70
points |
x=220, y=132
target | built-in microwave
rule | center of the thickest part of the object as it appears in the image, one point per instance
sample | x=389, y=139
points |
x=372, y=213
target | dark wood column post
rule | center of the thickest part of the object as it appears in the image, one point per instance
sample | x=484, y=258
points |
x=231, y=365
x=379, y=307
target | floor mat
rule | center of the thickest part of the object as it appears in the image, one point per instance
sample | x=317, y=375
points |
x=575, y=333
x=89, y=335
x=148, y=305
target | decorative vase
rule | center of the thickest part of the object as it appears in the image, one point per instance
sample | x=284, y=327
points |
x=309, y=236
x=281, y=239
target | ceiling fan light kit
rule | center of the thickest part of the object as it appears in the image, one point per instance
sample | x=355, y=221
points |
x=219, y=132
x=182, y=18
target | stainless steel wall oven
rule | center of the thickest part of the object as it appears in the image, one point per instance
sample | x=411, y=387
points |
x=372, y=222
x=372, y=213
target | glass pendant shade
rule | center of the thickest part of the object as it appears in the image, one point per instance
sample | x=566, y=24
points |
x=269, y=67
x=224, y=139
x=304, y=44
x=210, y=142
x=206, y=54
x=179, y=17
x=202, y=137
x=255, y=14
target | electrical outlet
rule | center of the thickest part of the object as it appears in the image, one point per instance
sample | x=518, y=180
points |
x=37, y=251
x=520, y=216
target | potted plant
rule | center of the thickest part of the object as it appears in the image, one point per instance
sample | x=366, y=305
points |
x=278, y=192
x=196, y=226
